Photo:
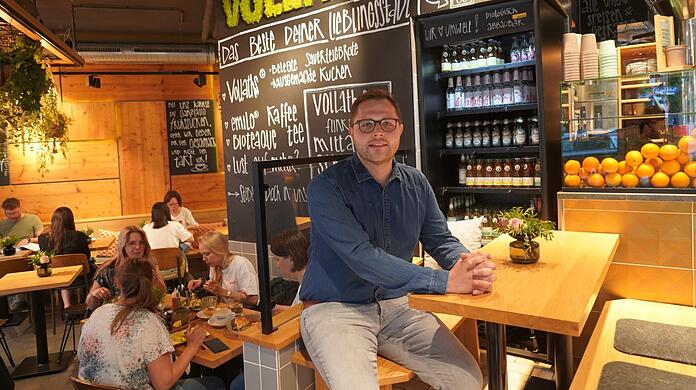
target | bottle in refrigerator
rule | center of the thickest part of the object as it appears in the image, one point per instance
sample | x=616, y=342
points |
x=485, y=134
x=534, y=136
x=462, y=171
x=450, y=94
x=489, y=173
x=459, y=94
x=507, y=173
x=454, y=58
x=478, y=95
x=528, y=172
x=524, y=54
x=476, y=140
x=531, y=48
x=498, y=174
x=515, y=51
x=537, y=173
x=449, y=136
x=520, y=134
x=517, y=88
x=495, y=134
x=478, y=178
x=470, y=172
x=497, y=90
x=468, y=136
x=486, y=90
x=506, y=133
x=501, y=53
x=507, y=88
x=473, y=56
x=482, y=54
x=464, y=62
x=468, y=93
x=517, y=172
x=458, y=138
x=445, y=65
x=451, y=214
x=532, y=85
x=491, y=52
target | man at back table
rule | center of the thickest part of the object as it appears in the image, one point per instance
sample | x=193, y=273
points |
x=368, y=214
x=25, y=226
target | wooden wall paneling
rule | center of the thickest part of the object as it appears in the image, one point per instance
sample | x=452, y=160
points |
x=87, y=199
x=201, y=191
x=142, y=158
x=90, y=120
x=219, y=126
x=84, y=160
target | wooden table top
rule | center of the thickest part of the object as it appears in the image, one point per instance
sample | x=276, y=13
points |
x=207, y=358
x=600, y=349
x=554, y=295
x=102, y=243
x=21, y=282
x=21, y=253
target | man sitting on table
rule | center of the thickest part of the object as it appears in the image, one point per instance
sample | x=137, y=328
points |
x=368, y=213
x=25, y=226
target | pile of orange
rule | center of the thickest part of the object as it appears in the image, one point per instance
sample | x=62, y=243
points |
x=653, y=166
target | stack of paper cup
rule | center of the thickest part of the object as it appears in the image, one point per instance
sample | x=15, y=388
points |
x=589, y=57
x=608, y=59
x=571, y=57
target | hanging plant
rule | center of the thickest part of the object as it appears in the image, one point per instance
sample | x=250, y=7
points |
x=29, y=113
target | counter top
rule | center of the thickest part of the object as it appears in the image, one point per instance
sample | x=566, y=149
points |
x=608, y=195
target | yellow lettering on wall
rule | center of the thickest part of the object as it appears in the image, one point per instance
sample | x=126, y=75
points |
x=233, y=8
x=289, y=5
x=247, y=15
x=272, y=9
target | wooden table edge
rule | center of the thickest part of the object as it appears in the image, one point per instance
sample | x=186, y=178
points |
x=4, y=292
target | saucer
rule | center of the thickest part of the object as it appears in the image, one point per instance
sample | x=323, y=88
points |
x=218, y=323
x=201, y=314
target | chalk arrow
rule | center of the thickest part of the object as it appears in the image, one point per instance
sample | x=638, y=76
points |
x=227, y=141
x=227, y=124
x=229, y=167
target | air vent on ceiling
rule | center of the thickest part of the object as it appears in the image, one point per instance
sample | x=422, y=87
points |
x=100, y=53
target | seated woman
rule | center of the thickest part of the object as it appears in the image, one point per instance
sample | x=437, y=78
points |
x=63, y=239
x=289, y=250
x=125, y=344
x=230, y=275
x=178, y=212
x=132, y=243
x=162, y=232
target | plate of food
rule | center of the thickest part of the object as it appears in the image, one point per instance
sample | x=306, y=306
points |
x=195, y=304
x=239, y=324
x=218, y=322
x=205, y=313
x=178, y=338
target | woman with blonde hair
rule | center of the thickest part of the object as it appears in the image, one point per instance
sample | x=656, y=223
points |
x=125, y=343
x=132, y=243
x=230, y=275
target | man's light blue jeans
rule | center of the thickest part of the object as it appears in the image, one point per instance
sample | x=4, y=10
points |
x=343, y=341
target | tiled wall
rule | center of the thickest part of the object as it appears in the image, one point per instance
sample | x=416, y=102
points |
x=268, y=369
x=655, y=258
x=248, y=250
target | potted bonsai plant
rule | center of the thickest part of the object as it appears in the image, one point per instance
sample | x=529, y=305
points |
x=524, y=226
x=41, y=261
x=8, y=245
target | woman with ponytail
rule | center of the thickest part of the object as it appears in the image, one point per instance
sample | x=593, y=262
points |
x=125, y=344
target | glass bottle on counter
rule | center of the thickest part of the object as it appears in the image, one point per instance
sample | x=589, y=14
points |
x=486, y=90
x=537, y=173
x=498, y=173
x=459, y=94
x=450, y=94
x=517, y=88
x=534, y=136
x=507, y=88
x=470, y=173
x=478, y=178
x=485, y=134
x=495, y=134
x=462, y=170
x=449, y=136
x=468, y=136
x=497, y=90
x=515, y=51
x=476, y=134
x=517, y=172
x=506, y=133
x=507, y=173
x=458, y=137
x=468, y=93
x=445, y=65
x=520, y=135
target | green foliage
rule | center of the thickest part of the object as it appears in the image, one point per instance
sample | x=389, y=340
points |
x=8, y=241
x=28, y=80
x=36, y=257
x=523, y=224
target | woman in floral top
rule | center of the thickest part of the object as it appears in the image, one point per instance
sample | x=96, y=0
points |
x=132, y=243
x=125, y=344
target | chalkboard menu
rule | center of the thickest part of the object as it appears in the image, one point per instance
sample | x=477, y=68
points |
x=191, y=136
x=478, y=23
x=4, y=162
x=601, y=16
x=287, y=85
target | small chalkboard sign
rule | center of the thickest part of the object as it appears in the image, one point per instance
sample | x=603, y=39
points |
x=602, y=17
x=4, y=162
x=478, y=23
x=191, y=136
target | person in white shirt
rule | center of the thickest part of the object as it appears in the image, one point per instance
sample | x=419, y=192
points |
x=231, y=275
x=178, y=212
x=289, y=250
x=164, y=233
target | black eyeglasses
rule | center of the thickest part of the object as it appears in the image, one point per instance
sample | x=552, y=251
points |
x=368, y=125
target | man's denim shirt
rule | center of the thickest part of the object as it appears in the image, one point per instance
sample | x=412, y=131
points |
x=363, y=236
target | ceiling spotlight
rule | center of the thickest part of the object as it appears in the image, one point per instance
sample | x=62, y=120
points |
x=200, y=80
x=94, y=81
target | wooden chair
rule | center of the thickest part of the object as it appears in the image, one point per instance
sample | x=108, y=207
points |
x=74, y=313
x=8, y=267
x=169, y=259
x=79, y=384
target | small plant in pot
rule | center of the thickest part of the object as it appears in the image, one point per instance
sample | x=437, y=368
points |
x=8, y=245
x=524, y=226
x=41, y=261
x=88, y=231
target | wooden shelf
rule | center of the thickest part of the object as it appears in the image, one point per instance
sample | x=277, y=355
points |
x=526, y=150
x=485, y=69
x=488, y=110
x=494, y=190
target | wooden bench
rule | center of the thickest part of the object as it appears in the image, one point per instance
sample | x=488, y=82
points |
x=390, y=373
